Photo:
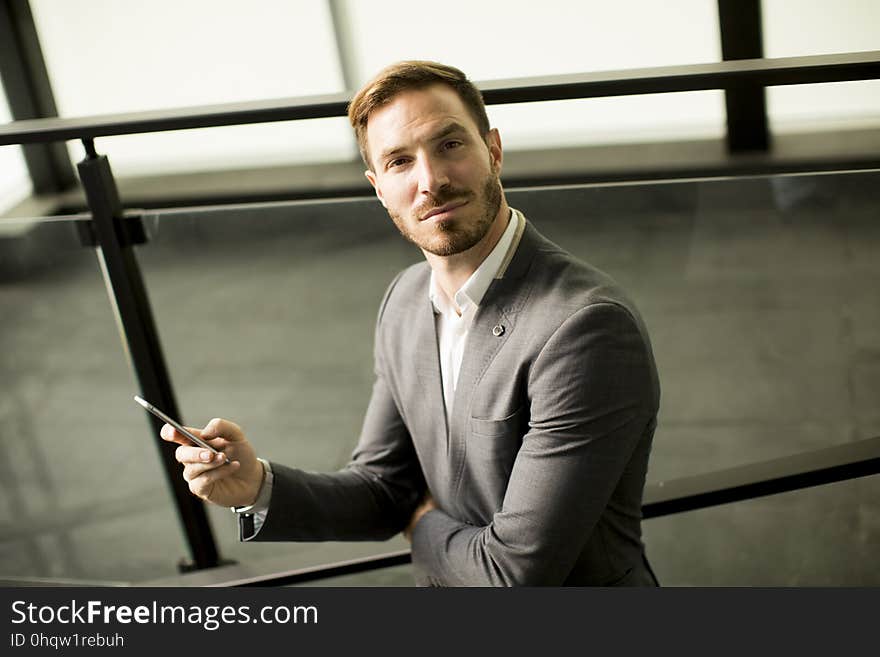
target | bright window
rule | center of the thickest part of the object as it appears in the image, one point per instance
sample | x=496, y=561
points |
x=110, y=56
x=817, y=27
x=497, y=39
x=15, y=183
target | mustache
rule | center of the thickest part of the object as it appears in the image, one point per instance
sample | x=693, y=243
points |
x=447, y=196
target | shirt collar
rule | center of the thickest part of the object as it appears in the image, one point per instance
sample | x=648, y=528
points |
x=474, y=288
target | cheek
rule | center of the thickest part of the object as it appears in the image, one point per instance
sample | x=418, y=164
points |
x=473, y=172
x=397, y=194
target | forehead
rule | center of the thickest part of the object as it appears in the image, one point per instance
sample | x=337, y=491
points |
x=414, y=113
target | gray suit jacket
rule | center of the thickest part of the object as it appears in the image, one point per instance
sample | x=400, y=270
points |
x=539, y=478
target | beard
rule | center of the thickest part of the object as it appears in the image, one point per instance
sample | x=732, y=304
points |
x=452, y=236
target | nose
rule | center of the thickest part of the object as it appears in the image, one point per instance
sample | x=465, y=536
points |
x=432, y=175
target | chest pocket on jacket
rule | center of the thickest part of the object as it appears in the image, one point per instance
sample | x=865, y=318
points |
x=500, y=427
x=492, y=446
x=497, y=441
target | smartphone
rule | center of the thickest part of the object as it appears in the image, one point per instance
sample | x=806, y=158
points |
x=174, y=423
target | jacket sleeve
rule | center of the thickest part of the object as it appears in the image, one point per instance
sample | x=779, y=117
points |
x=372, y=498
x=593, y=395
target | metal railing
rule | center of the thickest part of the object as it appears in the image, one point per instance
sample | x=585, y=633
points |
x=669, y=79
x=746, y=482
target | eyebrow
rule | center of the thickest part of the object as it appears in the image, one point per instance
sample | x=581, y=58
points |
x=450, y=128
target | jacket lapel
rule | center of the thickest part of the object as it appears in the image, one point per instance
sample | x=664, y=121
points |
x=493, y=325
x=427, y=367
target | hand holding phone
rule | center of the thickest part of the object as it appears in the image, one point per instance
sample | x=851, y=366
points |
x=180, y=428
x=226, y=482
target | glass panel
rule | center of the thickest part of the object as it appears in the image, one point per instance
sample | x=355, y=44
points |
x=83, y=494
x=848, y=26
x=266, y=314
x=504, y=39
x=759, y=294
x=823, y=536
x=760, y=297
x=15, y=182
x=126, y=56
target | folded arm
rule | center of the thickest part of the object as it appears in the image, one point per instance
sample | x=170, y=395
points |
x=593, y=396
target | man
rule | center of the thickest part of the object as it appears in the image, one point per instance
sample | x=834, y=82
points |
x=515, y=397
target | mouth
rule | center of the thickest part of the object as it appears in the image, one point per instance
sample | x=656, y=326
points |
x=442, y=211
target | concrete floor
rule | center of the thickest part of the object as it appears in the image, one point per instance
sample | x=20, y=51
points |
x=761, y=296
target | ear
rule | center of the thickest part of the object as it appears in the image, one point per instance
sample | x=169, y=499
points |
x=496, y=154
x=372, y=178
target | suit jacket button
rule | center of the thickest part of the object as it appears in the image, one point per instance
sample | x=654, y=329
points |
x=498, y=331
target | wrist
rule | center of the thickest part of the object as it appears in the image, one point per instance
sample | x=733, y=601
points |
x=260, y=467
x=260, y=499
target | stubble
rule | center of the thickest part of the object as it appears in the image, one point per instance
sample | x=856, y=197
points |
x=452, y=236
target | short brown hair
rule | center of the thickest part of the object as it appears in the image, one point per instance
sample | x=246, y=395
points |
x=406, y=76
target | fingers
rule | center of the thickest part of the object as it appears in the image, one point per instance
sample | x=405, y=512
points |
x=172, y=435
x=202, y=483
x=202, y=468
x=216, y=428
x=193, y=470
x=187, y=454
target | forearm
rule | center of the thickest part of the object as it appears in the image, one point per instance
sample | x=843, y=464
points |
x=352, y=504
x=447, y=552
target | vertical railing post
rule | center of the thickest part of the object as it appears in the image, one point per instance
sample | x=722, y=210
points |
x=128, y=295
x=745, y=104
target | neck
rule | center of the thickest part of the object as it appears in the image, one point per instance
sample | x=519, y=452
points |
x=451, y=272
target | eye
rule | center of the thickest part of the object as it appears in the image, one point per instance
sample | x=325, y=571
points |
x=396, y=162
x=452, y=144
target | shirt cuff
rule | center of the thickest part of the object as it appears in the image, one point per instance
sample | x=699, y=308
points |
x=252, y=517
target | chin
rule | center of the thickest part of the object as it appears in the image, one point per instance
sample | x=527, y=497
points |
x=450, y=244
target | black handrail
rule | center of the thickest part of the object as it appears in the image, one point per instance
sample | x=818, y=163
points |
x=782, y=475
x=337, y=569
x=691, y=77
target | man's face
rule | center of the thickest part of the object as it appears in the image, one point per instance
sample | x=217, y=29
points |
x=433, y=171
